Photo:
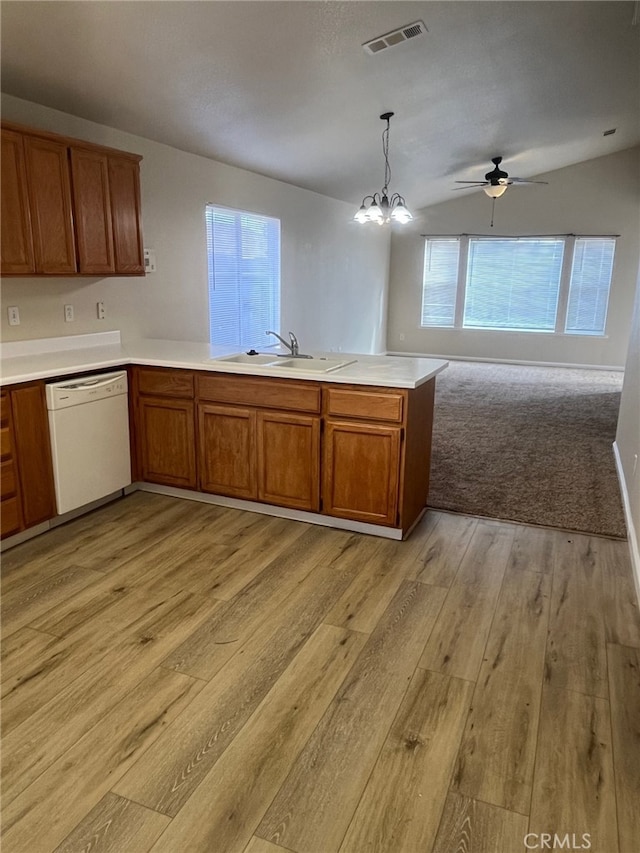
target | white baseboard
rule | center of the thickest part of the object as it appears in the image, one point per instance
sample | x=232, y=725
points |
x=632, y=533
x=615, y=367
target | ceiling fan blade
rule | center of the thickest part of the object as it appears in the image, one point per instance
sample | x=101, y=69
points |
x=470, y=187
x=473, y=183
x=526, y=181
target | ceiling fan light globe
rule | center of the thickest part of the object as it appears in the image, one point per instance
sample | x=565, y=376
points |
x=495, y=191
x=374, y=214
x=361, y=214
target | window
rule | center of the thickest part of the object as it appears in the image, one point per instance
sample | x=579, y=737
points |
x=243, y=251
x=523, y=284
x=441, y=273
x=590, y=280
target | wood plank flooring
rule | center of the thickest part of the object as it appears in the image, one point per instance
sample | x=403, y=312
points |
x=184, y=678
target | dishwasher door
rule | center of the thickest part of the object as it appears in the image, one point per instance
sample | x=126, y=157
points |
x=89, y=427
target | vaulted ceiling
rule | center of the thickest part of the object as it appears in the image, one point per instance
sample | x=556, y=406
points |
x=285, y=88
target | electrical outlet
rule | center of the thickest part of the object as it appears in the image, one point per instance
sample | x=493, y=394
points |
x=100, y=310
x=14, y=315
x=401, y=336
x=149, y=260
x=68, y=314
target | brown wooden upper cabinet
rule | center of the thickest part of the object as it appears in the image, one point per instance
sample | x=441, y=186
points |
x=17, y=241
x=91, y=204
x=68, y=207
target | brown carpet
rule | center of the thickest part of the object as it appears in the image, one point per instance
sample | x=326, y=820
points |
x=530, y=444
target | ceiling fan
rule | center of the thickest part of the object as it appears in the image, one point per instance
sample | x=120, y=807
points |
x=496, y=182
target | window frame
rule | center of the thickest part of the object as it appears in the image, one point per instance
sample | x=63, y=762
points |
x=274, y=265
x=563, y=291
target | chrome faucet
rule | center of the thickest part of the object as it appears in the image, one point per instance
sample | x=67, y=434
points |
x=293, y=347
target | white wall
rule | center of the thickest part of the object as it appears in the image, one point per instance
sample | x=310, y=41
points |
x=334, y=273
x=598, y=197
x=628, y=439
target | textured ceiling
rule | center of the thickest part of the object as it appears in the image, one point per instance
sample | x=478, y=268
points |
x=285, y=88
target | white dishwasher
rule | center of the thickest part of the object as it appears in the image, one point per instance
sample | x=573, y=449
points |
x=89, y=427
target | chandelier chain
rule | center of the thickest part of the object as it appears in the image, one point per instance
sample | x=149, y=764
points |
x=385, y=151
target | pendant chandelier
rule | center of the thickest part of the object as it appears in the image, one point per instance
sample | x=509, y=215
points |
x=381, y=208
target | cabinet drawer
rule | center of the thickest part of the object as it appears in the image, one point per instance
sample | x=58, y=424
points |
x=8, y=478
x=165, y=383
x=262, y=392
x=5, y=442
x=368, y=404
x=10, y=515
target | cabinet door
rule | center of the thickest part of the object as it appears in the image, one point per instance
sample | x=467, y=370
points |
x=10, y=510
x=361, y=471
x=166, y=437
x=50, y=204
x=289, y=460
x=17, y=243
x=227, y=450
x=33, y=453
x=92, y=211
x=124, y=186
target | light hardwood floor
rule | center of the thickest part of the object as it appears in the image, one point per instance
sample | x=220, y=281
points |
x=186, y=678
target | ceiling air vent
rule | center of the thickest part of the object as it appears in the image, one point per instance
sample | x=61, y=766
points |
x=395, y=37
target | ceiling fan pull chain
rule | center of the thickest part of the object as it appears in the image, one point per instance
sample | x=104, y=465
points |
x=493, y=207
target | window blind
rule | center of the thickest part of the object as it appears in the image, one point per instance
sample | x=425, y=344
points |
x=589, y=286
x=513, y=284
x=440, y=282
x=243, y=251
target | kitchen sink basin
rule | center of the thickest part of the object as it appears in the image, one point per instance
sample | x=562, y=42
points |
x=315, y=365
x=295, y=365
x=243, y=358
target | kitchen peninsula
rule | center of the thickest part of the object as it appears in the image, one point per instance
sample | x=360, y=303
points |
x=348, y=447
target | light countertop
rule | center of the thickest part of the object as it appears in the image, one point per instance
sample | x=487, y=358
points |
x=96, y=352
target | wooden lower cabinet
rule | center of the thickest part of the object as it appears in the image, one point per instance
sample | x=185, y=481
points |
x=353, y=452
x=361, y=469
x=227, y=450
x=289, y=459
x=256, y=454
x=166, y=441
x=33, y=452
x=10, y=510
x=28, y=494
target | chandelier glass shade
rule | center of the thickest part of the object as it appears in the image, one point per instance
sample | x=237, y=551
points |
x=381, y=207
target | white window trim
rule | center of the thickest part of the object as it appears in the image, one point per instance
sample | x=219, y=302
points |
x=565, y=280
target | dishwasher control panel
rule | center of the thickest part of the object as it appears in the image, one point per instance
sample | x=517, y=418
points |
x=62, y=395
